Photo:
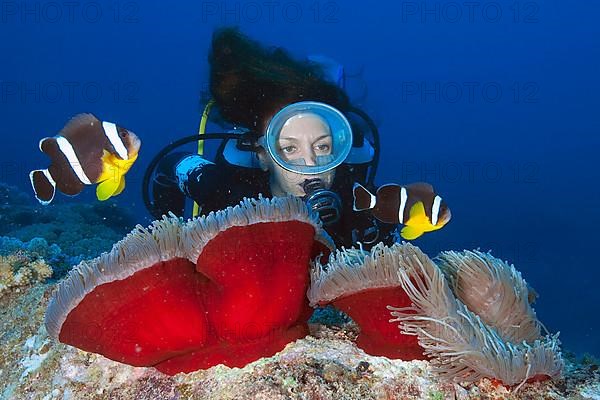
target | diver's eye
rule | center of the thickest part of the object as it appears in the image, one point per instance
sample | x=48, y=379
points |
x=288, y=149
x=323, y=148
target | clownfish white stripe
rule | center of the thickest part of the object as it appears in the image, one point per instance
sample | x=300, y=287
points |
x=403, y=198
x=358, y=188
x=373, y=199
x=435, y=210
x=66, y=148
x=50, y=179
x=113, y=135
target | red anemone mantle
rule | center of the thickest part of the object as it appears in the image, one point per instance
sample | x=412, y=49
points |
x=362, y=285
x=228, y=288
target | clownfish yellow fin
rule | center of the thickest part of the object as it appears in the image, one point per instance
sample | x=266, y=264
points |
x=417, y=215
x=417, y=223
x=108, y=188
x=411, y=232
x=121, y=186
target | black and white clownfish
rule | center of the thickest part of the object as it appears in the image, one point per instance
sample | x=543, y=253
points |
x=416, y=206
x=87, y=151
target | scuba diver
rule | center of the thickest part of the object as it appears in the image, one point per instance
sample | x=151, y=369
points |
x=296, y=133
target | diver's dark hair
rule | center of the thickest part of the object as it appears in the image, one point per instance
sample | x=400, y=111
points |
x=250, y=82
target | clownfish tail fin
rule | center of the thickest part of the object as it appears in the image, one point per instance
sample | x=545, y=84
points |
x=44, y=186
x=363, y=199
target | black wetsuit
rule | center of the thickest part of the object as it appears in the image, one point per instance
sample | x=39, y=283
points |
x=217, y=186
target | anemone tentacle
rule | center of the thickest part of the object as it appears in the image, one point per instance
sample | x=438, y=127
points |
x=494, y=290
x=462, y=347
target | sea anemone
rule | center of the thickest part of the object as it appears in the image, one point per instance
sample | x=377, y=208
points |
x=495, y=291
x=226, y=288
x=362, y=284
x=460, y=344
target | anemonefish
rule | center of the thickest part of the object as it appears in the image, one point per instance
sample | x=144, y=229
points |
x=416, y=206
x=87, y=151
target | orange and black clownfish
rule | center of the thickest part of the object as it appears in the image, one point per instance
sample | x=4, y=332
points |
x=416, y=206
x=87, y=151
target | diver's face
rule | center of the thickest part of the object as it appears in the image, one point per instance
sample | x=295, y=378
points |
x=302, y=140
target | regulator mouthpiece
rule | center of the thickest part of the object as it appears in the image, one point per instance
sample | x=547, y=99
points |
x=325, y=203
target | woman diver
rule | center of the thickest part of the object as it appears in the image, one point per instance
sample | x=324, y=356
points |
x=295, y=133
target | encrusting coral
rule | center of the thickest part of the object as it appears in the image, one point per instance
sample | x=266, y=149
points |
x=21, y=269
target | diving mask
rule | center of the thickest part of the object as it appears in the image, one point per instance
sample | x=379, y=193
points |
x=308, y=138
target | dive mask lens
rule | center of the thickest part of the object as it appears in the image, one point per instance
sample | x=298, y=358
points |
x=319, y=160
x=308, y=138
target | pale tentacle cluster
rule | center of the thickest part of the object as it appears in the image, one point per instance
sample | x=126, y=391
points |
x=484, y=328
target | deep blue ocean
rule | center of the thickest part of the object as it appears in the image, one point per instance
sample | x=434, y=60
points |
x=496, y=103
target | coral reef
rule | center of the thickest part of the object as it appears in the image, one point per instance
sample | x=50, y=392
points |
x=329, y=315
x=20, y=269
x=326, y=365
x=78, y=229
x=470, y=314
x=39, y=248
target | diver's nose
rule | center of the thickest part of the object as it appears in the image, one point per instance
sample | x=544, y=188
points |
x=310, y=158
x=311, y=161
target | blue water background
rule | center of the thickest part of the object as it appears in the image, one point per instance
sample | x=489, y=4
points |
x=495, y=103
